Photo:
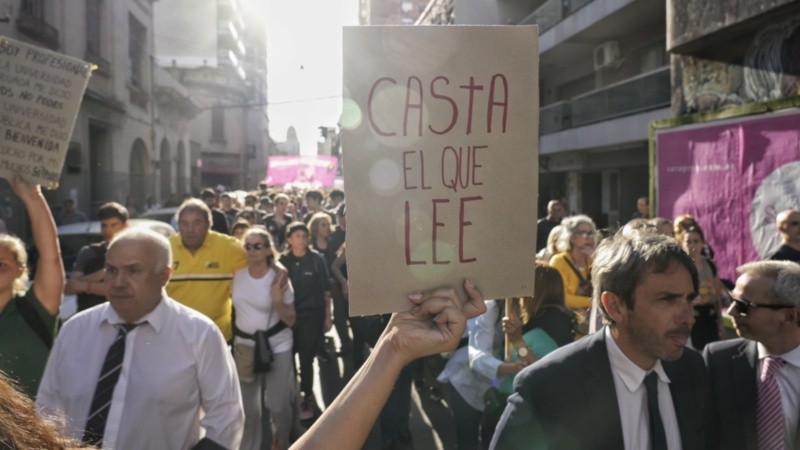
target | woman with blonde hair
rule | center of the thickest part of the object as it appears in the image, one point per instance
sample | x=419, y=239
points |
x=28, y=315
x=264, y=302
x=552, y=246
x=321, y=228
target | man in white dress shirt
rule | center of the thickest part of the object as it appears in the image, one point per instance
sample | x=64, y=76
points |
x=142, y=371
x=631, y=385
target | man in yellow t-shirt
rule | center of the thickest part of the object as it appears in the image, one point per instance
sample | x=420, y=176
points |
x=203, y=265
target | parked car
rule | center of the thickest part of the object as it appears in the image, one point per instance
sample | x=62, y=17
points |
x=166, y=215
x=74, y=236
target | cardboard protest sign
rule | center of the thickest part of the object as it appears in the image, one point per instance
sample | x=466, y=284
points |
x=40, y=93
x=440, y=146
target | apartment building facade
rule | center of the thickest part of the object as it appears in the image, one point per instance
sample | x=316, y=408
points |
x=217, y=50
x=609, y=69
x=130, y=135
x=604, y=75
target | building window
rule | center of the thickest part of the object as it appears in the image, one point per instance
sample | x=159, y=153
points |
x=137, y=50
x=218, y=125
x=34, y=7
x=31, y=22
x=93, y=26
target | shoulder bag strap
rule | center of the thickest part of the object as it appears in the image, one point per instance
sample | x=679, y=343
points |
x=28, y=312
x=574, y=269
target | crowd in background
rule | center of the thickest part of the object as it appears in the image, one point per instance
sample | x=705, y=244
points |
x=275, y=277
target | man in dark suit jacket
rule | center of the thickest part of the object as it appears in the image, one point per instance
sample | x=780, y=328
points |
x=576, y=397
x=766, y=315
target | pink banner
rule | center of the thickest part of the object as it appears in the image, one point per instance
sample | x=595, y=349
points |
x=314, y=171
x=734, y=178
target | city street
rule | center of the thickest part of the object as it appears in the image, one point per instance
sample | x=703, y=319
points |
x=430, y=422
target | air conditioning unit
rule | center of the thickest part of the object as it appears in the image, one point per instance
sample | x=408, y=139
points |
x=606, y=55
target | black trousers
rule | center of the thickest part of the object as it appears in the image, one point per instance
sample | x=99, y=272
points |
x=308, y=335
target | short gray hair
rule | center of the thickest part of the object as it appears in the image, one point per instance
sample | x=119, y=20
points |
x=568, y=227
x=786, y=290
x=144, y=234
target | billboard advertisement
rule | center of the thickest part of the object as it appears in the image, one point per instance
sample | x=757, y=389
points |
x=734, y=177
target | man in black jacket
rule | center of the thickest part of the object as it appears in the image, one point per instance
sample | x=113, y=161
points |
x=631, y=385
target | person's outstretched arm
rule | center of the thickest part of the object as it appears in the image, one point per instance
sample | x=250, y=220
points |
x=49, y=282
x=434, y=325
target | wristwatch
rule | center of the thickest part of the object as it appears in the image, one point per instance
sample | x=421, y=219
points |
x=522, y=348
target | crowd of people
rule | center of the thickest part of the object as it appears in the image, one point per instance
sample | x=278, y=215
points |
x=207, y=339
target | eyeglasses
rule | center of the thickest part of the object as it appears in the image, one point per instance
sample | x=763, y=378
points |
x=585, y=234
x=256, y=246
x=743, y=306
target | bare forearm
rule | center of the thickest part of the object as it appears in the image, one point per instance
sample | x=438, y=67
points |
x=80, y=283
x=77, y=286
x=348, y=421
x=49, y=283
x=286, y=313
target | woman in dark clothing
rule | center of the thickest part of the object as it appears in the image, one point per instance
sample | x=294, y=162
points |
x=708, y=323
x=546, y=309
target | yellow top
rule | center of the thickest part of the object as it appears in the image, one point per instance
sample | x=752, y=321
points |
x=203, y=281
x=571, y=281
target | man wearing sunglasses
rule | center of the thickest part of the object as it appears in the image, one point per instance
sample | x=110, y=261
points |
x=788, y=223
x=756, y=378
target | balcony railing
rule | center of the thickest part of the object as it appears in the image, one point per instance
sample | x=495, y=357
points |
x=38, y=29
x=549, y=14
x=554, y=117
x=645, y=92
x=553, y=12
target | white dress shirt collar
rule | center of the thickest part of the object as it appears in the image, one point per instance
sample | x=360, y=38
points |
x=631, y=374
x=154, y=318
x=792, y=357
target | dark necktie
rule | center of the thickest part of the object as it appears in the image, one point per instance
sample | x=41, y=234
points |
x=109, y=375
x=658, y=439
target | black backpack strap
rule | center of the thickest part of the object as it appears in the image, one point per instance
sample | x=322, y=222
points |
x=28, y=312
